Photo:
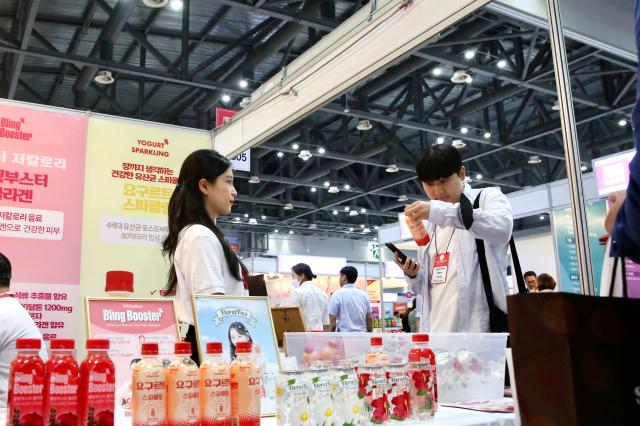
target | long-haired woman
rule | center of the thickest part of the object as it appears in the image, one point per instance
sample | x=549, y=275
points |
x=202, y=261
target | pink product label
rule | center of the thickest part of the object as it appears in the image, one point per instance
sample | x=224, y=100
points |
x=149, y=397
x=62, y=399
x=182, y=396
x=215, y=393
x=100, y=399
x=26, y=399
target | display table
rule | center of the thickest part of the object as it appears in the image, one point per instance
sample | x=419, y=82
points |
x=445, y=416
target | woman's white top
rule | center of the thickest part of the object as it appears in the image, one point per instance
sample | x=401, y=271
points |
x=201, y=268
x=313, y=305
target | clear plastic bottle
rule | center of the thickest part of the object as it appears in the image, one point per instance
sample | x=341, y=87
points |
x=97, y=385
x=377, y=355
x=245, y=387
x=215, y=388
x=418, y=230
x=149, y=389
x=420, y=352
x=26, y=385
x=61, y=385
x=183, y=390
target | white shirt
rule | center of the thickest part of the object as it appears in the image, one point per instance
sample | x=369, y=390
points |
x=444, y=310
x=313, y=305
x=350, y=306
x=201, y=268
x=493, y=223
x=16, y=323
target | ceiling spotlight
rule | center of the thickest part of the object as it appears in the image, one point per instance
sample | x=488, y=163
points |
x=246, y=215
x=366, y=230
x=350, y=229
x=353, y=213
x=253, y=221
x=280, y=154
x=542, y=217
x=502, y=63
x=335, y=212
x=155, y=3
x=392, y=168
x=464, y=130
x=264, y=217
x=439, y=140
x=362, y=226
x=245, y=102
x=333, y=189
x=313, y=189
x=242, y=83
x=556, y=105
x=363, y=210
x=584, y=168
x=305, y=155
x=458, y=143
x=487, y=135
x=226, y=99
x=321, y=150
x=437, y=71
x=622, y=122
x=291, y=232
x=364, y=125
x=104, y=77
x=276, y=231
x=288, y=206
x=402, y=198
x=346, y=209
x=347, y=187
x=254, y=179
x=326, y=184
x=313, y=226
x=237, y=219
x=478, y=176
x=295, y=146
x=176, y=5
x=376, y=227
x=470, y=54
x=535, y=159
x=461, y=77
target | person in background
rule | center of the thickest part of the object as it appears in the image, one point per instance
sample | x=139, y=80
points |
x=310, y=299
x=349, y=307
x=623, y=219
x=397, y=320
x=16, y=324
x=202, y=261
x=414, y=319
x=530, y=279
x=546, y=283
x=453, y=298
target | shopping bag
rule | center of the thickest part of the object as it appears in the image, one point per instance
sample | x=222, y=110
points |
x=576, y=358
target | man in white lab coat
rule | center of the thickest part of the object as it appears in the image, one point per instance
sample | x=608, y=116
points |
x=447, y=273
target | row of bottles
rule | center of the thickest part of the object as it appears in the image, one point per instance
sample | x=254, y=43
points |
x=60, y=392
x=216, y=394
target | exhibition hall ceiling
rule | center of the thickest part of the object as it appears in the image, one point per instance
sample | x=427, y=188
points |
x=176, y=64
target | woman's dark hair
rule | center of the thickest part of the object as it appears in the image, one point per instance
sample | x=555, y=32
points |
x=186, y=207
x=304, y=270
x=546, y=282
x=241, y=329
x=438, y=162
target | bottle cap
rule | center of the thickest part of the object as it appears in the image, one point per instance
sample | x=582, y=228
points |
x=62, y=344
x=120, y=281
x=376, y=341
x=149, y=349
x=97, y=344
x=28, y=343
x=182, y=348
x=420, y=338
x=214, y=347
x=244, y=347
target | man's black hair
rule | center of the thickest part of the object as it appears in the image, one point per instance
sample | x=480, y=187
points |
x=529, y=274
x=5, y=271
x=350, y=272
x=438, y=162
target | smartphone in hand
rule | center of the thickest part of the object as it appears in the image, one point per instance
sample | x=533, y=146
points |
x=394, y=249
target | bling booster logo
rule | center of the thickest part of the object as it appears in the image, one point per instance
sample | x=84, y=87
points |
x=127, y=316
x=13, y=129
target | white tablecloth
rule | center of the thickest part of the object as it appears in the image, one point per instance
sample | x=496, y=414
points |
x=446, y=417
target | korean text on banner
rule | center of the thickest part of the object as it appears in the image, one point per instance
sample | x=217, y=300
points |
x=42, y=155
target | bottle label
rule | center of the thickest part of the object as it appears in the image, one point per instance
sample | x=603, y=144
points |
x=245, y=394
x=101, y=390
x=149, y=393
x=215, y=394
x=26, y=393
x=61, y=405
x=183, y=393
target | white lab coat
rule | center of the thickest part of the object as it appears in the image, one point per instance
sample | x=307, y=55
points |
x=493, y=223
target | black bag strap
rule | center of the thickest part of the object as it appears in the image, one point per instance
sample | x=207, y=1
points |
x=516, y=265
x=625, y=291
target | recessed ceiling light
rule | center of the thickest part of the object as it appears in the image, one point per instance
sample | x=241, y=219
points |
x=478, y=176
x=176, y=5
x=464, y=130
x=353, y=213
x=362, y=226
x=487, y=135
x=350, y=229
x=333, y=190
x=104, y=77
x=392, y=168
x=291, y=232
x=155, y=3
x=243, y=84
x=502, y=63
x=321, y=150
x=376, y=227
x=366, y=230
x=622, y=122
x=305, y=155
x=439, y=140
x=313, y=189
x=542, y=217
x=326, y=184
x=461, y=77
x=436, y=71
x=469, y=54
x=226, y=98
x=347, y=187
x=584, y=168
x=254, y=179
x=346, y=209
x=458, y=143
x=253, y=221
x=535, y=159
x=363, y=210
x=335, y=212
x=364, y=125
x=288, y=206
x=237, y=219
x=246, y=215
x=295, y=146
x=264, y=217
x=402, y=198
x=280, y=154
x=276, y=231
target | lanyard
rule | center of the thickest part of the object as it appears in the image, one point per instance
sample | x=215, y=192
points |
x=435, y=240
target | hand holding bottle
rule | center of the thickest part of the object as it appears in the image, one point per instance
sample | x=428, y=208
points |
x=418, y=211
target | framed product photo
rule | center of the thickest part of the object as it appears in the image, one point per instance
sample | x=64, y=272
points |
x=233, y=319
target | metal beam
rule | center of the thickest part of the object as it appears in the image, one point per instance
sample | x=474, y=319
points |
x=25, y=37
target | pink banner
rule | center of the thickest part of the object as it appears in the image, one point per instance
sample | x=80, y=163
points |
x=41, y=191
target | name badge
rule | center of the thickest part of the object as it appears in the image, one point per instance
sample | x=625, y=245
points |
x=440, y=267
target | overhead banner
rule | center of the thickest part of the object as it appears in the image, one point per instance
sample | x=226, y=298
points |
x=42, y=154
x=569, y=279
x=132, y=170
